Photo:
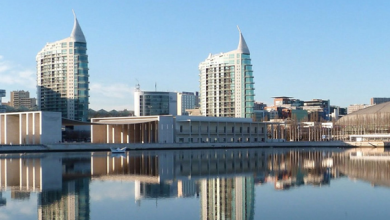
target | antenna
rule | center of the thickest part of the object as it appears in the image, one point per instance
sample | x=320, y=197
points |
x=137, y=86
x=155, y=86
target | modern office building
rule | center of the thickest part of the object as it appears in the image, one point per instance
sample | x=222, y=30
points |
x=2, y=94
x=226, y=83
x=62, y=76
x=376, y=101
x=22, y=98
x=185, y=100
x=155, y=103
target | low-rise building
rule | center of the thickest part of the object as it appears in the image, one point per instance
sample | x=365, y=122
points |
x=177, y=129
x=30, y=128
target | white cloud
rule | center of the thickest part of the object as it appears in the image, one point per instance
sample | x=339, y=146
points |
x=116, y=96
x=117, y=90
x=20, y=78
x=116, y=191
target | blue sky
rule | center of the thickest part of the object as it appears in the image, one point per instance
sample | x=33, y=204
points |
x=337, y=50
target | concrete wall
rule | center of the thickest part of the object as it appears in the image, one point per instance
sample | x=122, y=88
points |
x=51, y=123
x=165, y=130
x=30, y=128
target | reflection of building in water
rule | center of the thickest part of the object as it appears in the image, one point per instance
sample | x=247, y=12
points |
x=3, y=201
x=29, y=175
x=295, y=168
x=227, y=198
x=20, y=195
x=176, y=173
x=56, y=200
x=376, y=172
x=72, y=202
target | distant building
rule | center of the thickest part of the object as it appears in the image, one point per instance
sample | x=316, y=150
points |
x=356, y=107
x=259, y=106
x=155, y=103
x=63, y=77
x=22, y=99
x=337, y=112
x=376, y=101
x=185, y=100
x=2, y=94
x=226, y=83
x=320, y=106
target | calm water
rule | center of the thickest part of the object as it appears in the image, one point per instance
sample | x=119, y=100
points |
x=201, y=184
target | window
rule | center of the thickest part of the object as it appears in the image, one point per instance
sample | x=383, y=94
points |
x=181, y=128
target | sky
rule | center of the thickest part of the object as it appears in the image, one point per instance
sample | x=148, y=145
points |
x=336, y=50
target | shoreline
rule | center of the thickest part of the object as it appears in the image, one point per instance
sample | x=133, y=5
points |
x=74, y=147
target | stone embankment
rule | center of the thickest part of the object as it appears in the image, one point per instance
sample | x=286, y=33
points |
x=63, y=147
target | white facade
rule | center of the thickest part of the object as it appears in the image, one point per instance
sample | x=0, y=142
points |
x=30, y=128
x=62, y=76
x=200, y=129
x=125, y=130
x=226, y=83
x=179, y=129
x=148, y=103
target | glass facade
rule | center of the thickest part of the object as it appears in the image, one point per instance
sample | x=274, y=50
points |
x=81, y=79
x=154, y=103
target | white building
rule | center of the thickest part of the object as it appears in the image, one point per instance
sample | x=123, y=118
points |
x=62, y=76
x=179, y=129
x=155, y=103
x=30, y=128
x=226, y=83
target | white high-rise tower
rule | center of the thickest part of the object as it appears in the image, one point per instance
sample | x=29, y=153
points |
x=226, y=83
x=62, y=76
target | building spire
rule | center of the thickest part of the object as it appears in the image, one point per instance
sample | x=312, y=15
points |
x=77, y=34
x=242, y=47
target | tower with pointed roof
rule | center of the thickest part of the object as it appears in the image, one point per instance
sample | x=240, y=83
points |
x=62, y=76
x=226, y=83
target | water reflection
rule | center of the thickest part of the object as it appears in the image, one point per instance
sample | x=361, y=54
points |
x=223, y=181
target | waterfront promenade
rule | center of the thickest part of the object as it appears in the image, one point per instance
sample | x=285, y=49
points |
x=63, y=147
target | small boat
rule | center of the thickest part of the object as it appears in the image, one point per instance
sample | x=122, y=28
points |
x=118, y=150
